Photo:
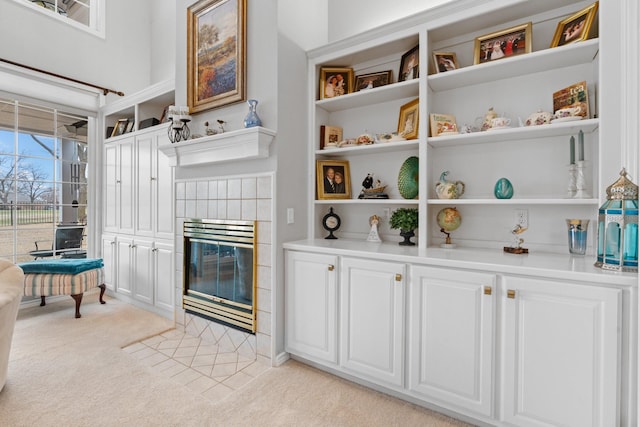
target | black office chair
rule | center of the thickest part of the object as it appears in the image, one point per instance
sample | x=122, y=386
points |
x=68, y=244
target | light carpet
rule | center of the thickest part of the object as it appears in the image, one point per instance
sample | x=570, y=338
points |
x=73, y=372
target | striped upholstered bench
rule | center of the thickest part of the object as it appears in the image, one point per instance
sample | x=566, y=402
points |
x=49, y=277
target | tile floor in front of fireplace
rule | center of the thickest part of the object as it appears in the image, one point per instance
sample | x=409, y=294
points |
x=197, y=364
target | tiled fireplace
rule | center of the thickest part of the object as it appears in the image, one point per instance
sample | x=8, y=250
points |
x=247, y=198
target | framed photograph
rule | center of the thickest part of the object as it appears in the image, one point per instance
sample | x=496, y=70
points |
x=129, y=126
x=120, y=127
x=216, y=53
x=577, y=27
x=372, y=80
x=335, y=81
x=503, y=44
x=330, y=136
x=408, y=120
x=443, y=124
x=164, y=117
x=444, y=61
x=409, y=65
x=333, y=179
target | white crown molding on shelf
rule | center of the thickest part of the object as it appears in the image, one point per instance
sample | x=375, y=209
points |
x=243, y=144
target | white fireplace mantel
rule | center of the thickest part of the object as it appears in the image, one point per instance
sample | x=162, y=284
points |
x=243, y=144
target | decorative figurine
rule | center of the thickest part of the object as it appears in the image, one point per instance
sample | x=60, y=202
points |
x=208, y=130
x=517, y=244
x=503, y=189
x=373, y=236
x=449, y=189
x=371, y=190
x=221, y=125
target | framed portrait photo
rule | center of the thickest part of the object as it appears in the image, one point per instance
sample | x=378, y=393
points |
x=216, y=53
x=408, y=120
x=409, y=65
x=335, y=81
x=444, y=61
x=503, y=44
x=330, y=136
x=372, y=80
x=578, y=27
x=333, y=179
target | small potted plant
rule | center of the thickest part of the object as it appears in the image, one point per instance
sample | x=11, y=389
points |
x=405, y=219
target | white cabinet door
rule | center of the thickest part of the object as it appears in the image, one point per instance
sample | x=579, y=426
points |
x=109, y=260
x=451, y=337
x=144, y=185
x=371, y=319
x=163, y=179
x=154, y=187
x=124, y=256
x=560, y=353
x=142, y=270
x=311, y=305
x=125, y=182
x=111, y=185
x=163, y=276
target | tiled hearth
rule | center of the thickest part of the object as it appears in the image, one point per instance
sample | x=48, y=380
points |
x=233, y=198
x=208, y=369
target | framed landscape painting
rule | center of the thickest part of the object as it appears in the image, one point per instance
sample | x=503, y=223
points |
x=216, y=53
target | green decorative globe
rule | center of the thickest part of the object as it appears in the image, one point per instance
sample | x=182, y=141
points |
x=449, y=219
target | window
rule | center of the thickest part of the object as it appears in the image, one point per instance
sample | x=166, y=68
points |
x=85, y=14
x=43, y=176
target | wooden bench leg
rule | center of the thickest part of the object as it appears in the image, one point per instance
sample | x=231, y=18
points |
x=102, y=287
x=78, y=299
x=42, y=302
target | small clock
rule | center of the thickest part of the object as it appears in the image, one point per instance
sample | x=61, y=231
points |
x=331, y=223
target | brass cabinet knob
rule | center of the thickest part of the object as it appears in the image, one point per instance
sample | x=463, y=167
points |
x=511, y=293
x=398, y=277
x=331, y=267
x=487, y=290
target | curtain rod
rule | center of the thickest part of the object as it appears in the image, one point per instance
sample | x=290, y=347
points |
x=105, y=90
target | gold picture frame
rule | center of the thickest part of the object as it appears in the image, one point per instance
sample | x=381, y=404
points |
x=328, y=174
x=372, y=80
x=503, y=44
x=444, y=61
x=335, y=81
x=577, y=27
x=216, y=62
x=120, y=127
x=408, y=119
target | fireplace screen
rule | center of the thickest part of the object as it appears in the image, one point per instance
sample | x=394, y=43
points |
x=219, y=271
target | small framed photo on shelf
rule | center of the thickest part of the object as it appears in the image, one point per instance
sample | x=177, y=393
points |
x=333, y=179
x=130, y=125
x=372, y=80
x=409, y=65
x=120, y=127
x=408, y=120
x=330, y=136
x=503, y=44
x=443, y=124
x=444, y=61
x=335, y=81
x=578, y=27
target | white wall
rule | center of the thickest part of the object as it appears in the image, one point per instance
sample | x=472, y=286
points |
x=304, y=22
x=347, y=18
x=120, y=61
x=163, y=40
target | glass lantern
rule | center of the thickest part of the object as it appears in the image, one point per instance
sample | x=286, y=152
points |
x=618, y=227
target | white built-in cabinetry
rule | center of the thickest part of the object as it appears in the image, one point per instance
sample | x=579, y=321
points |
x=542, y=339
x=138, y=225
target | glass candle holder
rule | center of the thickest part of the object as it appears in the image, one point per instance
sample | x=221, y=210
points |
x=577, y=235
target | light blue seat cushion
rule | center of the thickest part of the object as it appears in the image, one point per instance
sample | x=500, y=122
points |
x=61, y=266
